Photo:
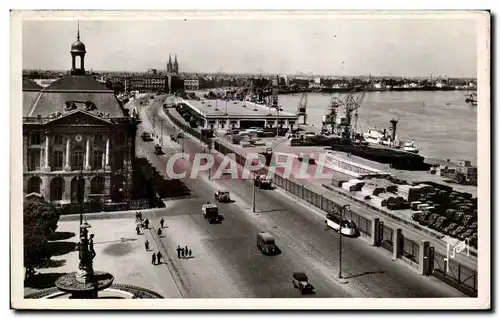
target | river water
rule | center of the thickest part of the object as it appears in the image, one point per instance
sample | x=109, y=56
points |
x=441, y=124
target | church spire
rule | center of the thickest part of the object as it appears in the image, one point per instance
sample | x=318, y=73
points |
x=78, y=31
x=175, y=60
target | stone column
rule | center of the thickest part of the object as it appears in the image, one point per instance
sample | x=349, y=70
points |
x=25, y=153
x=46, y=166
x=67, y=188
x=397, y=243
x=106, y=163
x=375, y=240
x=45, y=187
x=87, y=188
x=424, y=261
x=67, y=167
x=107, y=187
x=87, y=155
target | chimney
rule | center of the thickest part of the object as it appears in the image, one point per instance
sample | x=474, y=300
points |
x=394, y=122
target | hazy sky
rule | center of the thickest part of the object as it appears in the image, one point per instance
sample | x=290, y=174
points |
x=399, y=47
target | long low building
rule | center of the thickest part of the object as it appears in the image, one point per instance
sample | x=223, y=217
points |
x=221, y=114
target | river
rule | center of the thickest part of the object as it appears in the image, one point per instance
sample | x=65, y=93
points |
x=441, y=124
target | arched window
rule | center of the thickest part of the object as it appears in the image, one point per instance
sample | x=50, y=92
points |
x=97, y=185
x=97, y=159
x=77, y=189
x=34, y=184
x=57, y=160
x=56, y=188
x=77, y=158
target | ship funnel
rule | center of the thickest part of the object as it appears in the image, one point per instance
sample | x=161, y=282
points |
x=394, y=123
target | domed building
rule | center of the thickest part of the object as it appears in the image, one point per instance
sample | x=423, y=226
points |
x=78, y=140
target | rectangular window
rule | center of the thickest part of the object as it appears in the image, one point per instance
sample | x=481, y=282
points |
x=97, y=159
x=33, y=160
x=58, y=139
x=98, y=138
x=120, y=138
x=35, y=139
x=118, y=160
x=57, y=160
x=77, y=160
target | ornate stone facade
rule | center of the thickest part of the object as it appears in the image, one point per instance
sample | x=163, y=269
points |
x=78, y=141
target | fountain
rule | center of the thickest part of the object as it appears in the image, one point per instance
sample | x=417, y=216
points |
x=85, y=283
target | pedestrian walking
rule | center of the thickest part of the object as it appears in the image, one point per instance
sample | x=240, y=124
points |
x=189, y=253
x=159, y=231
x=178, y=251
x=186, y=250
x=182, y=252
x=146, y=245
x=137, y=230
x=153, y=259
x=162, y=222
x=158, y=256
x=146, y=223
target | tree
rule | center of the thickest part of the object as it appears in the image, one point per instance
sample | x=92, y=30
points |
x=36, y=249
x=40, y=214
x=39, y=220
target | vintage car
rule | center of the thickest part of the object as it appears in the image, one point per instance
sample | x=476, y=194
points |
x=222, y=196
x=158, y=149
x=300, y=281
x=266, y=243
x=146, y=136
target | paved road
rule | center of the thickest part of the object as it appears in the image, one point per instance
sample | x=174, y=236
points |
x=301, y=236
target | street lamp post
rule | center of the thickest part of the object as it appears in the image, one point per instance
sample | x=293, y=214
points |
x=253, y=196
x=344, y=208
x=81, y=180
x=209, y=146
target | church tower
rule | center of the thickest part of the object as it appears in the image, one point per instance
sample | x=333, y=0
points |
x=169, y=65
x=78, y=55
x=176, y=65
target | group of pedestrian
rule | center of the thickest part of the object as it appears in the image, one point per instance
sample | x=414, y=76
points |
x=156, y=258
x=183, y=252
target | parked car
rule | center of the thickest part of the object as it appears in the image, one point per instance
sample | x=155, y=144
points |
x=458, y=217
x=467, y=220
x=146, y=137
x=473, y=240
x=431, y=220
x=466, y=234
x=457, y=231
x=300, y=281
x=473, y=226
x=451, y=227
x=440, y=223
x=424, y=217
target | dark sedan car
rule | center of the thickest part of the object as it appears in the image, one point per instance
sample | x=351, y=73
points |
x=448, y=229
x=466, y=234
x=457, y=231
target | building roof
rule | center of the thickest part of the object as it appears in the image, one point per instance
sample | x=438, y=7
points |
x=77, y=83
x=78, y=47
x=31, y=86
x=76, y=89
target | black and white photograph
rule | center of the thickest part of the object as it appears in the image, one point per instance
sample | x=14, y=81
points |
x=250, y=160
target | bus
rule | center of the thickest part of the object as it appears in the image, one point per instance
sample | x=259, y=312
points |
x=334, y=221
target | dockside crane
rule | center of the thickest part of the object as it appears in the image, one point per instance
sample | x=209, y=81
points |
x=331, y=115
x=302, y=108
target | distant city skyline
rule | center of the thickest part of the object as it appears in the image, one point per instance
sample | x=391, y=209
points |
x=409, y=47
